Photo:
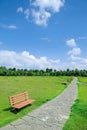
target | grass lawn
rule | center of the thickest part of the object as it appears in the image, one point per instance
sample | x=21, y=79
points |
x=78, y=117
x=42, y=89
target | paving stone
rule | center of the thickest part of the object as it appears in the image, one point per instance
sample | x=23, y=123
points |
x=8, y=127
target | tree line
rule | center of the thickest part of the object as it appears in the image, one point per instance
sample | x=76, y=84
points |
x=36, y=72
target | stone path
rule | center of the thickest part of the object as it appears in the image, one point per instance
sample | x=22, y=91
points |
x=50, y=116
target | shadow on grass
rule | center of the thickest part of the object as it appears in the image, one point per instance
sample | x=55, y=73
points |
x=7, y=109
x=15, y=111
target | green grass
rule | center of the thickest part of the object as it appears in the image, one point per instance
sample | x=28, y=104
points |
x=83, y=80
x=78, y=117
x=42, y=89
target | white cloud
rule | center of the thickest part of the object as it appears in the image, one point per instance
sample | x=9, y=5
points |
x=26, y=60
x=42, y=10
x=20, y=9
x=26, y=13
x=71, y=42
x=78, y=62
x=12, y=27
x=53, y=5
x=79, y=59
x=75, y=51
x=78, y=65
x=41, y=17
x=75, y=61
x=45, y=10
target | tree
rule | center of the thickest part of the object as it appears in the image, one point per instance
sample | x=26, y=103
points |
x=48, y=72
x=3, y=71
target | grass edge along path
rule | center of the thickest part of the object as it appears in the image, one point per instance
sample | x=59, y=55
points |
x=42, y=89
x=78, y=116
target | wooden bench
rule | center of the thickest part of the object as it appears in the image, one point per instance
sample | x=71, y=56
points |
x=21, y=100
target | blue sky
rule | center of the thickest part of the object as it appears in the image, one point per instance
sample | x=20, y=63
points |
x=36, y=34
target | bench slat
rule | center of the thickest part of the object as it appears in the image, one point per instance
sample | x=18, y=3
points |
x=18, y=106
x=18, y=98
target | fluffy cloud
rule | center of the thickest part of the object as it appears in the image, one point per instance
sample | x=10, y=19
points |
x=26, y=60
x=78, y=62
x=20, y=9
x=52, y=5
x=26, y=13
x=41, y=17
x=71, y=42
x=75, y=60
x=45, y=10
x=75, y=51
x=42, y=10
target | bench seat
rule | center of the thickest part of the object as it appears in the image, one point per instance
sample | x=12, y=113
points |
x=23, y=104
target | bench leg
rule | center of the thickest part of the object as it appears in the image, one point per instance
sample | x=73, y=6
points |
x=15, y=111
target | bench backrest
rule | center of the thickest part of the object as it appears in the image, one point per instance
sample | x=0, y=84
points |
x=15, y=99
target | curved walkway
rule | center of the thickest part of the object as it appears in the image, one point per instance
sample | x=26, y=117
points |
x=50, y=116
